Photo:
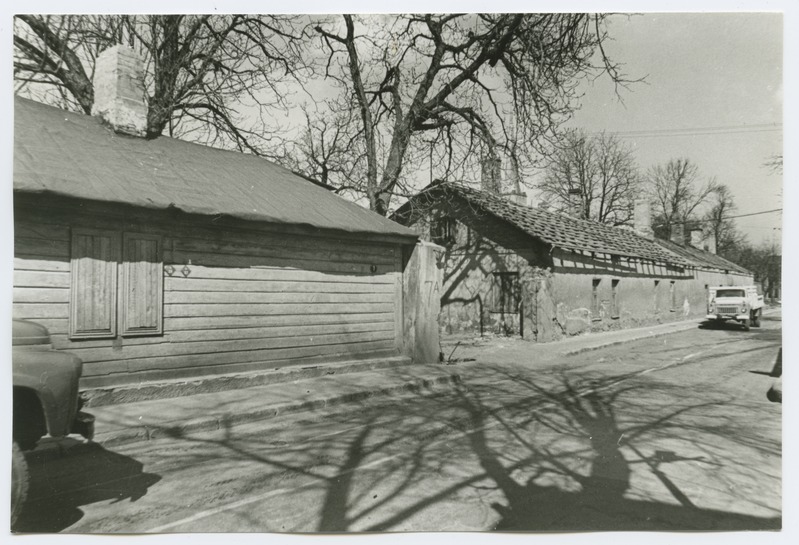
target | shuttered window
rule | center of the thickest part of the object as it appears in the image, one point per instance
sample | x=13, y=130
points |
x=93, y=297
x=142, y=285
x=116, y=286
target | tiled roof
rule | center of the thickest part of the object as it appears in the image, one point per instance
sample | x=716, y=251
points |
x=702, y=258
x=563, y=231
x=75, y=155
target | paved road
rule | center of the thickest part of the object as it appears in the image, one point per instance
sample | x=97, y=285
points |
x=672, y=433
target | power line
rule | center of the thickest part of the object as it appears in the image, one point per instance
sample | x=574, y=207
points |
x=701, y=131
x=754, y=214
x=727, y=218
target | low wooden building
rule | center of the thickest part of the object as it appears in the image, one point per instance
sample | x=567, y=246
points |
x=513, y=269
x=158, y=259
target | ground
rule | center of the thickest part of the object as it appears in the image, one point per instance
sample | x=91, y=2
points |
x=670, y=433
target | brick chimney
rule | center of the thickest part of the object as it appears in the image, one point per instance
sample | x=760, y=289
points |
x=710, y=243
x=575, y=204
x=119, y=91
x=697, y=238
x=642, y=219
x=678, y=233
x=491, y=174
x=516, y=195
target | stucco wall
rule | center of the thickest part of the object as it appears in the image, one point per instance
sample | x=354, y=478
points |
x=557, y=286
x=640, y=300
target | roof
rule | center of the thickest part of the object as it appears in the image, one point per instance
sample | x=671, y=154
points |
x=559, y=230
x=702, y=258
x=75, y=155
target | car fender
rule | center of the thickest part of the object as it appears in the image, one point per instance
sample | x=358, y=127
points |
x=53, y=377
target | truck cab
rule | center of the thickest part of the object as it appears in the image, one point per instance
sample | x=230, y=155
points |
x=739, y=303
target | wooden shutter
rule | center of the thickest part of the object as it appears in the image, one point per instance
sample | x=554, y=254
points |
x=142, y=285
x=93, y=293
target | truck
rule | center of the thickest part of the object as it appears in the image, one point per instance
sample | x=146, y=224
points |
x=739, y=303
x=46, y=399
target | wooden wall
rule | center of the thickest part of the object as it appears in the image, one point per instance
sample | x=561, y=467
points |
x=252, y=297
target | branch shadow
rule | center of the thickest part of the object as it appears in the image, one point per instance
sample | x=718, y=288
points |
x=538, y=453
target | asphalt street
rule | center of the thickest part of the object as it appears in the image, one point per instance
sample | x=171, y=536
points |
x=669, y=433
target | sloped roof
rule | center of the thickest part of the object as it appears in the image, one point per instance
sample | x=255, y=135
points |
x=702, y=258
x=75, y=155
x=559, y=230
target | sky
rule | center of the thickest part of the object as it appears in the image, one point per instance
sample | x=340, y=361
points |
x=712, y=93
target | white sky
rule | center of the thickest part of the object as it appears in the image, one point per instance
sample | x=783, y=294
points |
x=701, y=74
x=717, y=75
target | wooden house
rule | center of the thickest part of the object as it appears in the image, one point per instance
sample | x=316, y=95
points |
x=513, y=269
x=158, y=259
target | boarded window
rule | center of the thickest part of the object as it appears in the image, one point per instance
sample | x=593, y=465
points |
x=614, y=299
x=116, y=284
x=142, y=281
x=443, y=231
x=595, y=307
x=93, y=294
x=507, y=293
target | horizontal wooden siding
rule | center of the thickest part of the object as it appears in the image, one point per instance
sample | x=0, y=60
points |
x=233, y=300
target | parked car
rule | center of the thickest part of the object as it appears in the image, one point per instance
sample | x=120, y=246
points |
x=46, y=400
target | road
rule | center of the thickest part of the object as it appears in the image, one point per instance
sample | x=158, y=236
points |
x=671, y=433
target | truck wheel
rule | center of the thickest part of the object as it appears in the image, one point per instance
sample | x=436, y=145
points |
x=19, y=482
x=746, y=324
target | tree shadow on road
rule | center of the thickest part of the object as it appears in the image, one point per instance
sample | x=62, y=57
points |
x=553, y=452
x=599, y=501
x=60, y=486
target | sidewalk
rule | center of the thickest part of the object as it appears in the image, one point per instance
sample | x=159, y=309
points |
x=174, y=417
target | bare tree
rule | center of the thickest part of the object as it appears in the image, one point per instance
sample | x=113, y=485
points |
x=603, y=169
x=442, y=87
x=328, y=149
x=677, y=194
x=209, y=78
x=718, y=223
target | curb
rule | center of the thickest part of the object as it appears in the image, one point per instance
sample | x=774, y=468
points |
x=648, y=335
x=54, y=449
x=104, y=396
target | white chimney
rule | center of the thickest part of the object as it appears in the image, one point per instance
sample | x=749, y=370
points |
x=710, y=243
x=678, y=232
x=575, y=204
x=642, y=219
x=491, y=174
x=119, y=91
x=697, y=238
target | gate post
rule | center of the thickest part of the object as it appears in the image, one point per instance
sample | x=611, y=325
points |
x=421, y=302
